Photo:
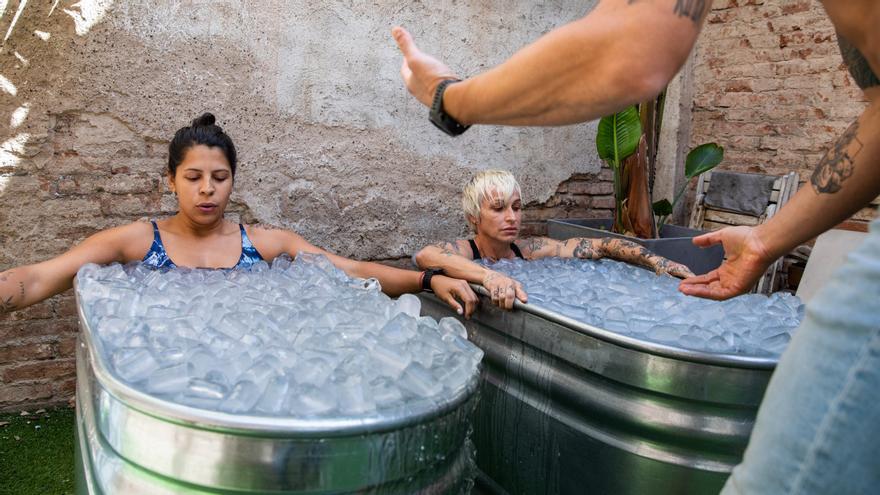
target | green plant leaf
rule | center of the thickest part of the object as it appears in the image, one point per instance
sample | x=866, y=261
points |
x=662, y=208
x=702, y=159
x=618, y=136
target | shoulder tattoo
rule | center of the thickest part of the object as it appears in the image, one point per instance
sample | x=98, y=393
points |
x=448, y=248
x=692, y=9
x=534, y=244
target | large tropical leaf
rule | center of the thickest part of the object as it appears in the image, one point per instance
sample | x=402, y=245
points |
x=702, y=159
x=618, y=136
x=662, y=208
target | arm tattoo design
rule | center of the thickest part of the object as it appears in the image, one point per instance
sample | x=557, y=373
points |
x=584, y=250
x=448, y=248
x=858, y=67
x=838, y=163
x=533, y=245
x=6, y=305
x=634, y=253
x=693, y=9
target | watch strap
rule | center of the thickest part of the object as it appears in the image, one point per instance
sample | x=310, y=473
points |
x=427, y=275
x=438, y=115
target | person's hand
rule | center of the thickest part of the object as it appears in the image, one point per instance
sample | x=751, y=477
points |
x=747, y=259
x=665, y=266
x=503, y=290
x=455, y=292
x=421, y=72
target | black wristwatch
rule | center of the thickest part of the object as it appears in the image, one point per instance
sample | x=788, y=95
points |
x=439, y=117
x=429, y=274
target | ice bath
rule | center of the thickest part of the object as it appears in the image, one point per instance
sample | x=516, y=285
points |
x=637, y=303
x=280, y=378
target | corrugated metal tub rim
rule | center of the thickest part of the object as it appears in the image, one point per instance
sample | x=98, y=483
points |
x=727, y=360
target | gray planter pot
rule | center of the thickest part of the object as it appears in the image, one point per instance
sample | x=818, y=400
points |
x=674, y=242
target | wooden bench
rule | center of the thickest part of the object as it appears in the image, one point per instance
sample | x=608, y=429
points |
x=705, y=217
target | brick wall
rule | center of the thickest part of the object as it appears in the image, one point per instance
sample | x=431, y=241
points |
x=84, y=172
x=771, y=87
x=581, y=196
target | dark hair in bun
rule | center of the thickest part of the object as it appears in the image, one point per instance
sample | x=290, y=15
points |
x=202, y=131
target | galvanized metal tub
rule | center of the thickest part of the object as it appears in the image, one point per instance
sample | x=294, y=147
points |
x=130, y=442
x=568, y=408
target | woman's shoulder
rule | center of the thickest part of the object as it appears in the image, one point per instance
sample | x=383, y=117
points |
x=130, y=231
x=268, y=232
x=272, y=241
x=127, y=242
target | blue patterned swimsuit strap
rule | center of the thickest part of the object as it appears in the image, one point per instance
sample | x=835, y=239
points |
x=156, y=256
x=249, y=253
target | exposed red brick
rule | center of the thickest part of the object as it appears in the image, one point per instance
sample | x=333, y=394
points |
x=19, y=352
x=18, y=393
x=38, y=370
x=775, y=107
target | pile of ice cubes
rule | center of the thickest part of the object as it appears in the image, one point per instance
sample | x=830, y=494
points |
x=297, y=339
x=635, y=302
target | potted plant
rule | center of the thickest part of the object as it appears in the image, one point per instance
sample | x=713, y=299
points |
x=699, y=160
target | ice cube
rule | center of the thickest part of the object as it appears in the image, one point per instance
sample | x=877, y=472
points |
x=206, y=389
x=453, y=326
x=663, y=333
x=408, y=304
x=274, y=397
x=242, y=398
x=169, y=380
x=353, y=399
x=419, y=381
x=134, y=364
x=311, y=401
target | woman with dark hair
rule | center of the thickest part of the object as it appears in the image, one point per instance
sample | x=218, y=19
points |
x=201, y=169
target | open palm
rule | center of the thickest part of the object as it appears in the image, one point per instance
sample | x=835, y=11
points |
x=746, y=259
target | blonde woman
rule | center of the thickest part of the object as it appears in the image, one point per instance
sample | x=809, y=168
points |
x=492, y=203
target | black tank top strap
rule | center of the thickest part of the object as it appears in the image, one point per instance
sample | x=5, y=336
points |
x=516, y=251
x=475, y=249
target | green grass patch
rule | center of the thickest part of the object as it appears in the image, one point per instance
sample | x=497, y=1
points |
x=36, y=453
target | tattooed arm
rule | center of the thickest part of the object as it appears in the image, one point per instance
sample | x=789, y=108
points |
x=457, y=261
x=26, y=285
x=578, y=72
x=607, y=247
x=846, y=179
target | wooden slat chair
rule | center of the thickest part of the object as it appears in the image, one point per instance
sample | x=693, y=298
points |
x=706, y=217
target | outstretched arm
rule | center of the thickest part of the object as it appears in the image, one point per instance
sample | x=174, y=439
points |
x=394, y=281
x=578, y=72
x=455, y=259
x=606, y=247
x=846, y=179
x=26, y=285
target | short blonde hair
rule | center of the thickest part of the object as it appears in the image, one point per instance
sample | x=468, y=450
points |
x=482, y=186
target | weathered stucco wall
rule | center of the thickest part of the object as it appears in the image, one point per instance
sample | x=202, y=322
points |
x=330, y=143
